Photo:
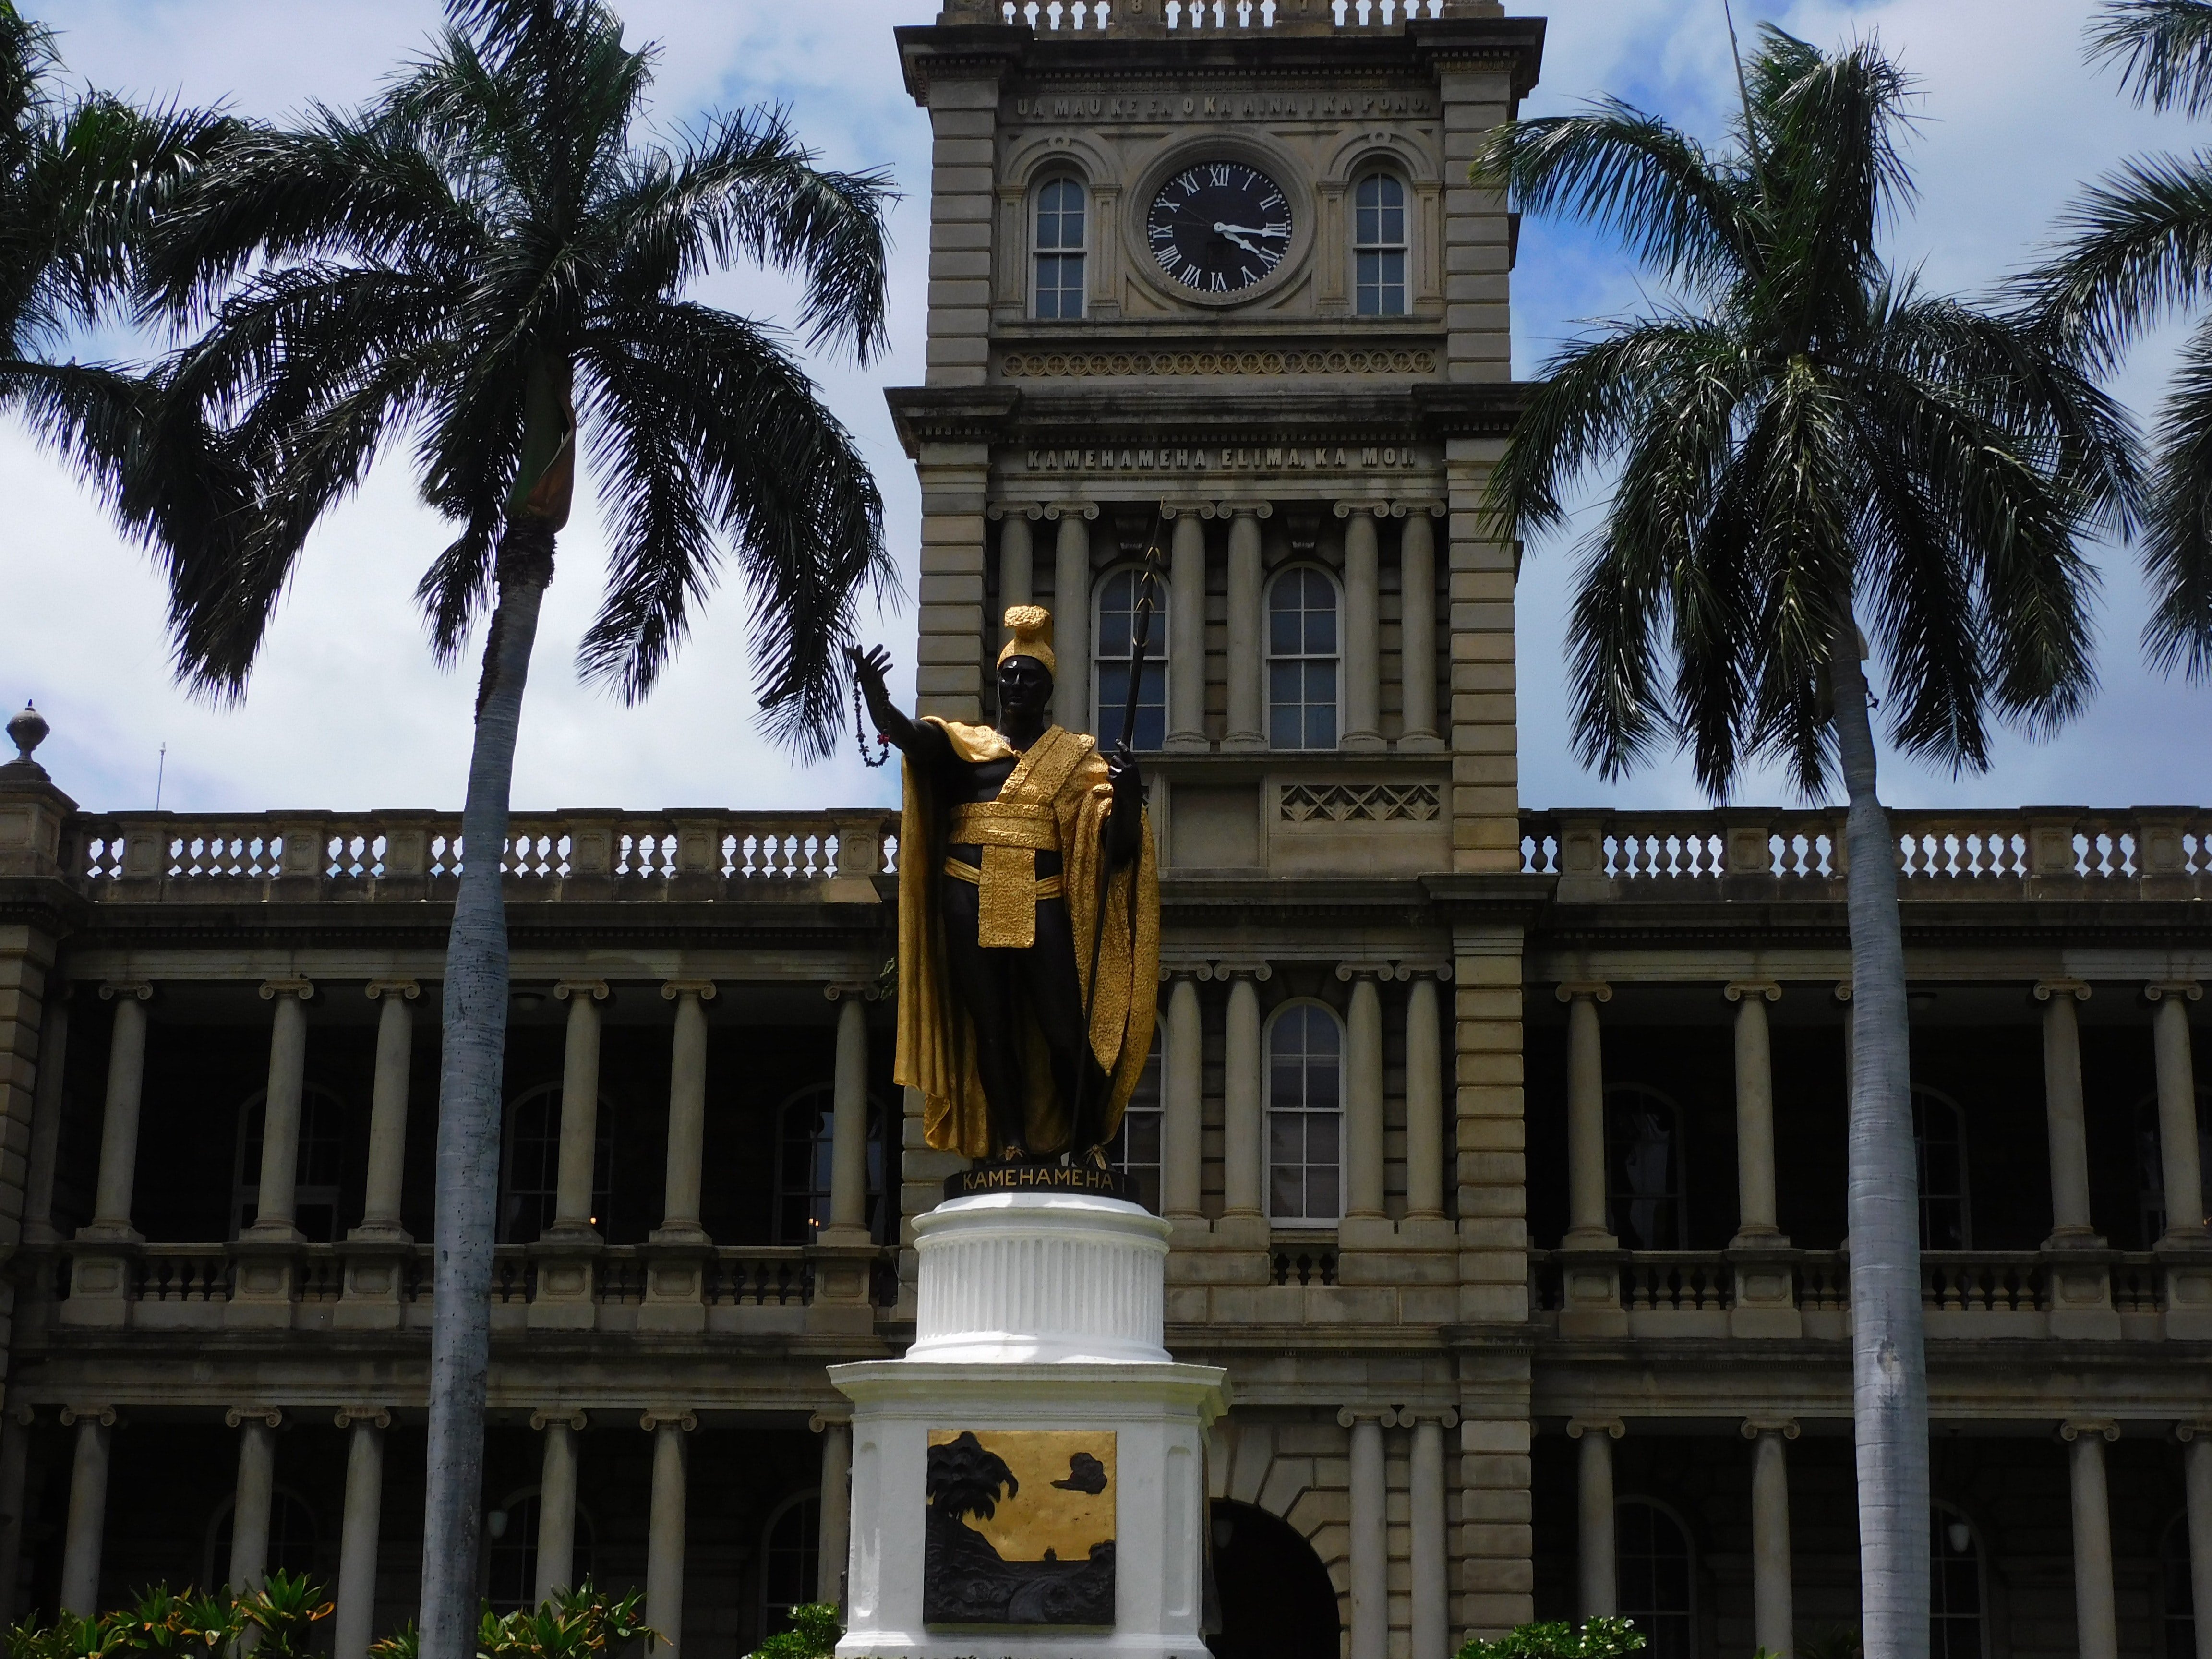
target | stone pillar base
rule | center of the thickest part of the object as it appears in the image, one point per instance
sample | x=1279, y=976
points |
x=265, y=1284
x=1765, y=1293
x=565, y=1299
x=376, y=1269
x=1589, y=1293
x=675, y=1287
x=2080, y=1284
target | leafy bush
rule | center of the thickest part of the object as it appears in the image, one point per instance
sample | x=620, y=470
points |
x=184, y=1625
x=1599, y=1639
x=813, y=1635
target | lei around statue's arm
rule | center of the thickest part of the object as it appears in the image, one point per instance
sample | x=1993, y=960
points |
x=922, y=742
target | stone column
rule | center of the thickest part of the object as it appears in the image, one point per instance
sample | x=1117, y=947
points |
x=2177, y=1112
x=1589, y=1226
x=1244, y=1112
x=556, y=1500
x=1425, y=1102
x=1017, y=570
x=1599, y=1593
x=576, y=1173
x=2196, y=1481
x=2062, y=1117
x=45, y=1142
x=1363, y=1097
x=1417, y=581
x=118, y=1128
x=387, y=1109
x=353, y=1625
x=848, y=1125
x=687, y=1113
x=834, y=1540
x=1370, y=1538
x=1773, y=1619
x=1429, y=1520
x=1071, y=618
x=88, y=1507
x=1248, y=633
x=1183, y=1109
x=1186, y=636
x=1755, y=1117
x=664, y=1564
x=256, y=1492
x=2096, y=1624
x=1362, y=638
x=280, y=1113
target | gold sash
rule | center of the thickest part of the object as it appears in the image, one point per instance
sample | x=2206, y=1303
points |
x=1012, y=830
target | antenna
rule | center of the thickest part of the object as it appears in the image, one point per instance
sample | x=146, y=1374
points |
x=160, y=770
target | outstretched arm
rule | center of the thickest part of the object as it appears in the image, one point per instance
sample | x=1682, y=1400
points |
x=926, y=744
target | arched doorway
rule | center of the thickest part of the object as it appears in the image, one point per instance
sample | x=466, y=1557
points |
x=1275, y=1597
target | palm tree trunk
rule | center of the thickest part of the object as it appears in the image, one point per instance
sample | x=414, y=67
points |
x=469, y=1099
x=1889, y=1374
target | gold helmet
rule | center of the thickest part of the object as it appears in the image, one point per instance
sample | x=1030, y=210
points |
x=1032, y=627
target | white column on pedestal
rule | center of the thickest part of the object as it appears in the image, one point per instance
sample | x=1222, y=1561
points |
x=1071, y=624
x=1417, y=579
x=2176, y=1111
x=1363, y=640
x=577, y=1172
x=280, y=1113
x=1370, y=1538
x=1595, y=1558
x=1017, y=570
x=353, y=1623
x=834, y=1539
x=1181, y=1120
x=687, y=1113
x=2197, y=1485
x=257, y=1427
x=1248, y=625
x=1241, y=1110
x=86, y=1525
x=1425, y=1100
x=1430, y=1521
x=387, y=1109
x=664, y=1562
x=1186, y=634
x=2063, y=1120
x=2096, y=1625
x=1589, y=1227
x=119, y=1124
x=1363, y=1095
x=1755, y=1115
x=45, y=1140
x=848, y=1120
x=1772, y=1613
x=556, y=1500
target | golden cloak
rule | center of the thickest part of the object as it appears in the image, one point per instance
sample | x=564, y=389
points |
x=1062, y=771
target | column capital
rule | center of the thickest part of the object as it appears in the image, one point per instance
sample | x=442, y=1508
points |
x=1379, y=507
x=23, y=1415
x=1752, y=1427
x=2074, y=1428
x=571, y=1417
x=125, y=987
x=2045, y=990
x=407, y=988
x=668, y=1417
x=831, y=1419
x=2193, y=1429
x=1030, y=510
x=374, y=1417
x=1842, y=991
x=2181, y=990
x=270, y=1416
x=1595, y=989
x=1394, y=968
x=1247, y=509
x=702, y=988
x=1261, y=971
x=1407, y=1417
x=1384, y=1416
x=273, y=988
x=103, y=1415
x=597, y=989
x=1611, y=1427
x=863, y=990
x=1737, y=989
x=1071, y=509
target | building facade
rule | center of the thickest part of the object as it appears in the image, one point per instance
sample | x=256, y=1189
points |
x=1503, y=1147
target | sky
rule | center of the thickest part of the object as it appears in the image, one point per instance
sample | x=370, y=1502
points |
x=346, y=711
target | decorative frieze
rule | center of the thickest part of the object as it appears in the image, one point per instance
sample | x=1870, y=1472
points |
x=1359, y=803
x=1057, y=365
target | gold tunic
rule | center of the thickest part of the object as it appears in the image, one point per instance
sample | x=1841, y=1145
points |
x=1058, y=798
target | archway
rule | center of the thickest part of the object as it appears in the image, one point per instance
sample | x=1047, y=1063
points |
x=1275, y=1597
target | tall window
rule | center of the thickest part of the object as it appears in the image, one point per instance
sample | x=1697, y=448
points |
x=511, y=1553
x=1117, y=623
x=1305, y=1114
x=529, y=1184
x=2178, y=1598
x=291, y=1538
x=1378, y=241
x=791, y=1558
x=1652, y=1556
x=2150, y=1162
x=320, y=1170
x=1136, y=1147
x=1060, y=242
x=1954, y=1587
x=1302, y=655
x=1643, y=1172
x=806, y=1154
x=1939, y=1136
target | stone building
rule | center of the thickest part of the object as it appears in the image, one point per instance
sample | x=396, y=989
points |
x=1503, y=1147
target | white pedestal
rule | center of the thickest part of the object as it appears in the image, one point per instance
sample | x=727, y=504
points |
x=1038, y=1310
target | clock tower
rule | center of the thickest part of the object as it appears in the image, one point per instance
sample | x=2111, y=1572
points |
x=1207, y=279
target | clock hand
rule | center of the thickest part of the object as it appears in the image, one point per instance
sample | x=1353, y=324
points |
x=1227, y=234
x=1231, y=231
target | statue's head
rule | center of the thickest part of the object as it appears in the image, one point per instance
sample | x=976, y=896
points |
x=1026, y=663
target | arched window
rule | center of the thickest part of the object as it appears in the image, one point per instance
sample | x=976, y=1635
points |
x=292, y=1539
x=1643, y=1169
x=1939, y=1136
x=2177, y=1597
x=1112, y=650
x=805, y=1153
x=320, y=1170
x=791, y=1560
x=1955, y=1586
x=1655, y=1585
x=2150, y=1162
x=511, y=1551
x=1062, y=227
x=1305, y=1115
x=530, y=1172
x=1135, y=1150
x=1378, y=244
x=1302, y=658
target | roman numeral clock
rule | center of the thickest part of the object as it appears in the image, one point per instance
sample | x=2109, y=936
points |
x=1218, y=227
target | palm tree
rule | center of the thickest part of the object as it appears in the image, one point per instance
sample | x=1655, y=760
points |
x=489, y=262
x=1805, y=444
x=2139, y=246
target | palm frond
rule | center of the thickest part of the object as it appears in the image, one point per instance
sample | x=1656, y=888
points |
x=2163, y=47
x=2176, y=548
x=2136, y=247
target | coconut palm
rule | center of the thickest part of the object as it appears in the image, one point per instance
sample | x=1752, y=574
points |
x=489, y=263
x=1806, y=445
x=2137, y=247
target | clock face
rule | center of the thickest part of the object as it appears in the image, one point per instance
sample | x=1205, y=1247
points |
x=1219, y=227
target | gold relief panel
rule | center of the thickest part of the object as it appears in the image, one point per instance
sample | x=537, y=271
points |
x=1020, y=1527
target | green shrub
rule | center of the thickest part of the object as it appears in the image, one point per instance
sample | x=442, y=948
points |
x=813, y=1635
x=1598, y=1638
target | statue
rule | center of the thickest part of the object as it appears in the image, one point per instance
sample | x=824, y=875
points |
x=1029, y=897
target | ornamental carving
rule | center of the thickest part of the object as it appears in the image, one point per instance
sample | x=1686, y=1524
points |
x=1360, y=803
x=1062, y=365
